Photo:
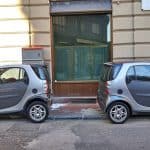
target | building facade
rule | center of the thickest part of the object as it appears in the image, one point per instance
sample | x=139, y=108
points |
x=23, y=23
x=130, y=30
x=76, y=37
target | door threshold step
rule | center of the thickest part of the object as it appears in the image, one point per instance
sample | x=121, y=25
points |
x=73, y=99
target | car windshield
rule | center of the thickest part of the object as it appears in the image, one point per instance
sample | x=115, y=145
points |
x=110, y=72
x=41, y=72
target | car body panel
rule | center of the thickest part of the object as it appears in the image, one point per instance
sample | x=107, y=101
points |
x=21, y=94
x=11, y=93
x=136, y=95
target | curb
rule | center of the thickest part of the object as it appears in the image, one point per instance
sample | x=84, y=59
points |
x=76, y=118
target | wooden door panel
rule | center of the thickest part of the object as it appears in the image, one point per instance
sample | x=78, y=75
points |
x=75, y=89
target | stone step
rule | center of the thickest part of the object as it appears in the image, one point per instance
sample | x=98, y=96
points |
x=75, y=111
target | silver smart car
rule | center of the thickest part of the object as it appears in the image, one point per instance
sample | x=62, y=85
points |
x=124, y=89
x=25, y=88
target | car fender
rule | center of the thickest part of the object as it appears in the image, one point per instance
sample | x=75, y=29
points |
x=117, y=98
x=35, y=98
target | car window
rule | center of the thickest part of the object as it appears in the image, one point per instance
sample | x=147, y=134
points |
x=142, y=72
x=41, y=72
x=9, y=75
x=110, y=72
x=115, y=70
x=105, y=72
x=130, y=74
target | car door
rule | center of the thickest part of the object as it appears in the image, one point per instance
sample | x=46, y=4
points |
x=13, y=84
x=138, y=83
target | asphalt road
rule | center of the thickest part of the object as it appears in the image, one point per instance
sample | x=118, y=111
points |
x=20, y=134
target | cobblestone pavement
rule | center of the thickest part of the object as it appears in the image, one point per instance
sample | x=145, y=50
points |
x=74, y=134
x=74, y=127
x=17, y=132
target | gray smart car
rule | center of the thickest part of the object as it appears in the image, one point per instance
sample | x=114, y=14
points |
x=25, y=88
x=124, y=89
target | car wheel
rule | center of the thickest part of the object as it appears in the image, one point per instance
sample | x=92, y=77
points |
x=37, y=111
x=118, y=112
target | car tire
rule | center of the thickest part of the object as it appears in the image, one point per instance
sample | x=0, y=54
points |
x=37, y=112
x=118, y=112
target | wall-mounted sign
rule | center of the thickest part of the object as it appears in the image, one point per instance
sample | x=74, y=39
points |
x=78, y=6
x=145, y=4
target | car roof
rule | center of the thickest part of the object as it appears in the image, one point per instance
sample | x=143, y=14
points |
x=20, y=65
x=14, y=65
x=38, y=65
x=126, y=62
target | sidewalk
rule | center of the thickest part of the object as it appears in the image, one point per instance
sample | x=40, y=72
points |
x=81, y=109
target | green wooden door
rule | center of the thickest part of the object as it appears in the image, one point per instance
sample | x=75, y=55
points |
x=81, y=46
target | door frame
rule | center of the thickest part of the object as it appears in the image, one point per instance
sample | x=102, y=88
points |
x=62, y=88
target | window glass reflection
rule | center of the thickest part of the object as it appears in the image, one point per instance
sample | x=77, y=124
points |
x=81, y=44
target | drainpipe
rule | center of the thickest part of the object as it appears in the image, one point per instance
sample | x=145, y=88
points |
x=133, y=28
x=30, y=37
